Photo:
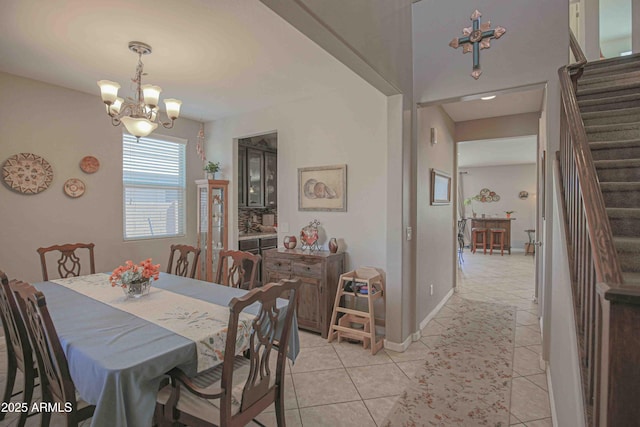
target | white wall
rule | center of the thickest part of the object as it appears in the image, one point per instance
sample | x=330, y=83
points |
x=63, y=126
x=614, y=47
x=564, y=367
x=342, y=127
x=507, y=181
x=435, y=250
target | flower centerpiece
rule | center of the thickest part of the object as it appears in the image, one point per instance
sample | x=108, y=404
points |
x=135, y=279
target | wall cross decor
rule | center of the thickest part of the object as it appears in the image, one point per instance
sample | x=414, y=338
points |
x=475, y=38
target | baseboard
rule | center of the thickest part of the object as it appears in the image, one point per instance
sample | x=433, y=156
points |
x=552, y=402
x=434, y=312
x=398, y=347
x=401, y=347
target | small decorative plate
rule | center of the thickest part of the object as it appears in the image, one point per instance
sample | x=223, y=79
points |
x=73, y=187
x=89, y=164
x=27, y=173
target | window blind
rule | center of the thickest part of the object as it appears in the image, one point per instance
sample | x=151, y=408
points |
x=154, y=187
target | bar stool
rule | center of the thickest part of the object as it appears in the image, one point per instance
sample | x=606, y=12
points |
x=530, y=248
x=492, y=233
x=475, y=231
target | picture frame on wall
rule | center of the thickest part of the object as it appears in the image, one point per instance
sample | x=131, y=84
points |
x=322, y=188
x=440, y=187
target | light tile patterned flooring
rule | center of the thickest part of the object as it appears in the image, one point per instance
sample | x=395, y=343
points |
x=336, y=385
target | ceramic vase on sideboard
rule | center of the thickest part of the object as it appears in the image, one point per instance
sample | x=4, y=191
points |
x=290, y=242
x=333, y=245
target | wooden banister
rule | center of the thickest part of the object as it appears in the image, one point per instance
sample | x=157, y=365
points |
x=581, y=60
x=604, y=251
x=607, y=312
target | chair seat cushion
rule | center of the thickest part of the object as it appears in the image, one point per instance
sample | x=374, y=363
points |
x=205, y=409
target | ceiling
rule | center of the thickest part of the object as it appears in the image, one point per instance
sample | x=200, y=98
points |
x=505, y=103
x=221, y=57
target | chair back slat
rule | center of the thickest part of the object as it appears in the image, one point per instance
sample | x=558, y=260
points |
x=233, y=269
x=52, y=363
x=68, y=263
x=182, y=263
x=14, y=329
x=266, y=326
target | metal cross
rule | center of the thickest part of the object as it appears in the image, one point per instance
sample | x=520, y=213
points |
x=475, y=38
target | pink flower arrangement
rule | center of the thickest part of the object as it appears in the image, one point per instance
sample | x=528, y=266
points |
x=130, y=273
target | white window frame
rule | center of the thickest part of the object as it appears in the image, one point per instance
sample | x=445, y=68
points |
x=131, y=182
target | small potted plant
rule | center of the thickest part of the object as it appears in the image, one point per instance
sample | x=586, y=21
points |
x=211, y=169
x=509, y=213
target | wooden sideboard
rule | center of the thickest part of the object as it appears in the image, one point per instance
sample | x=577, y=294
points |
x=495, y=223
x=318, y=272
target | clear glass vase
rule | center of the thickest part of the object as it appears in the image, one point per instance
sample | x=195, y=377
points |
x=137, y=289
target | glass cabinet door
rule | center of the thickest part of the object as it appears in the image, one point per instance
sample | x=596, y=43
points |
x=203, y=229
x=255, y=166
x=212, y=225
x=242, y=172
x=271, y=179
x=218, y=227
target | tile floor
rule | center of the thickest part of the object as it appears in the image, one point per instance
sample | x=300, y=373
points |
x=336, y=385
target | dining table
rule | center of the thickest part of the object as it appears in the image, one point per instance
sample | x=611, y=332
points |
x=119, y=349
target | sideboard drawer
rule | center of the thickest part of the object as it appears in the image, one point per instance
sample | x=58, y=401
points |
x=269, y=242
x=277, y=264
x=246, y=245
x=307, y=268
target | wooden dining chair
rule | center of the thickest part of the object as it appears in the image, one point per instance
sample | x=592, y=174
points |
x=182, y=263
x=19, y=354
x=233, y=269
x=238, y=390
x=55, y=379
x=69, y=262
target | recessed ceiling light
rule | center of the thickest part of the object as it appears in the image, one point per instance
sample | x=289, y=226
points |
x=487, y=98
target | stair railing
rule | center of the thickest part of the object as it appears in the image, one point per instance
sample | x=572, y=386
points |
x=601, y=302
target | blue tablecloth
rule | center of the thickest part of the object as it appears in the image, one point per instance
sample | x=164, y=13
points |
x=117, y=360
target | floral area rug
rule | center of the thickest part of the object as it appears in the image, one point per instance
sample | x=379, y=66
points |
x=466, y=379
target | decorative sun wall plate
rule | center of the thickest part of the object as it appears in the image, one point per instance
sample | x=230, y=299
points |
x=27, y=173
x=487, y=196
x=89, y=164
x=73, y=187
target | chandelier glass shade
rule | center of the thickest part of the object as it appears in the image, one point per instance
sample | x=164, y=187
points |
x=140, y=114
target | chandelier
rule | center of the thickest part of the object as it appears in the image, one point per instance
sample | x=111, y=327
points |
x=140, y=115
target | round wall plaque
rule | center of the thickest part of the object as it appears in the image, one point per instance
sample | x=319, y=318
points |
x=27, y=173
x=89, y=164
x=73, y=187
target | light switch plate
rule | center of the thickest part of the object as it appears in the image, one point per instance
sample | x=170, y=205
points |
x=409, y=233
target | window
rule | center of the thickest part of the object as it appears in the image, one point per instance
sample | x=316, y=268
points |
x=154, y=187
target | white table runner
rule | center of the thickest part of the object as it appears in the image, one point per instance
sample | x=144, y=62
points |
x=202, y=322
